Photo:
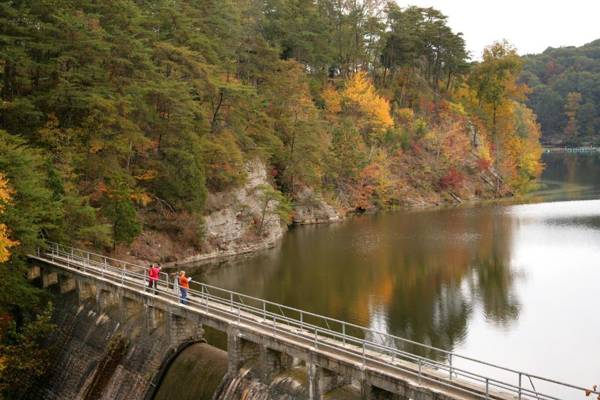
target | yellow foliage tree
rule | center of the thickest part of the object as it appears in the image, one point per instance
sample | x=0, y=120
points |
x=5, y=242
x=332, y=99
x=405, y=116
x=360, y=100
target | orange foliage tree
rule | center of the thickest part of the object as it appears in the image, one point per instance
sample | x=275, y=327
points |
x=495, y=96
x=375, y=183
x=5, y=242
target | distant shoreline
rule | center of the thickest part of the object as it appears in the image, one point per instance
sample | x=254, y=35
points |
x=583, y=149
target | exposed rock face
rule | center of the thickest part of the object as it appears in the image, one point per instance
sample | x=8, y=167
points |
x=312, y=209
x=233, y=225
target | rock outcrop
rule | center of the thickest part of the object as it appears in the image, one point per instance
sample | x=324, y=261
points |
x=236, y=221
x=240, y=220
x=311, y=208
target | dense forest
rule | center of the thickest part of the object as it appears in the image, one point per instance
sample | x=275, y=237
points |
x=117, y=117
x=565, y=84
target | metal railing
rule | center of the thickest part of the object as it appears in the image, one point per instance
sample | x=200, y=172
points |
x=374, y=349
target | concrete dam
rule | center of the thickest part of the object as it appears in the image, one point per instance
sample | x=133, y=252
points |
x=116, y=340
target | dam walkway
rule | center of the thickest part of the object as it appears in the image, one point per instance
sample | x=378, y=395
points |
x=335, y=352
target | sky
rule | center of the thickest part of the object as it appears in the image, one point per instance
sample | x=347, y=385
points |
x=530, y=25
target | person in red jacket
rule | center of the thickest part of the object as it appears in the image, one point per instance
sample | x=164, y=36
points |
x=184, y=285
x=153, y=277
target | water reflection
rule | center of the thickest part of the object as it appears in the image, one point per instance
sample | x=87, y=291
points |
x=486, y=281
x=415, y=275
x=569, y=176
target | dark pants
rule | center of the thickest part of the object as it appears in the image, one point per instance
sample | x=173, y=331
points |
x=183, y=292
x=153, y=285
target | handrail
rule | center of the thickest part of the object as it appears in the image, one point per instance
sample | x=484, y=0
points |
x=373, y=352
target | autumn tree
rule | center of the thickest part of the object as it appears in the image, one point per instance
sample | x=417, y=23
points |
x=5, y=242
x=572, y=105
x=369, y=111
x=495, y=80
x=526, y=149
x=297, y=124
x=273, y=202
x=514, y=133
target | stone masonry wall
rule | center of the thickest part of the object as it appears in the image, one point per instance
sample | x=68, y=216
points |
x=108, y=347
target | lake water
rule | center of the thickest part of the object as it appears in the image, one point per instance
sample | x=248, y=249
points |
x=515, y=285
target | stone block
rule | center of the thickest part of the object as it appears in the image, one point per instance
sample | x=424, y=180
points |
x=67, y=284
x=34, y=272
x=49, y=279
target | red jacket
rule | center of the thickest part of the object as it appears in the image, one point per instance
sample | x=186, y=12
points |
x=154, y=273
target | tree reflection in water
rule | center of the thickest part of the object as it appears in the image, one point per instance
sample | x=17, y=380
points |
x=416, y=275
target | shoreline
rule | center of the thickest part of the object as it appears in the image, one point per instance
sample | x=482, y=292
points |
x=250, y=249
x=564, y=149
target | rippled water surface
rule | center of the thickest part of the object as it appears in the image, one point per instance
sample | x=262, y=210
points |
x=512, y=284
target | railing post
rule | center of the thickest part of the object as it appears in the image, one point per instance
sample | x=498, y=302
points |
x=450, y=362
x=205, y=297
x=231, y=299
x=301, y=320
x=487, y=387
x=419, y=370
x=364, y=350
x=520, y=384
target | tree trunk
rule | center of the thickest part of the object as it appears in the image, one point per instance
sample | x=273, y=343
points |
x=262, y=217
x=213, y=123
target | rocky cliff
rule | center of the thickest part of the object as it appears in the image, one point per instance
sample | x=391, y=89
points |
x=236, y=221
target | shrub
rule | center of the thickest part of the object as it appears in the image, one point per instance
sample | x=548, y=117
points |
x=452, y=180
